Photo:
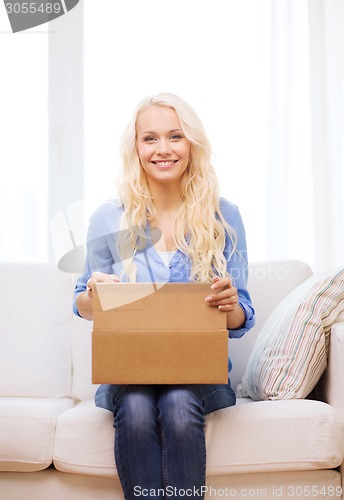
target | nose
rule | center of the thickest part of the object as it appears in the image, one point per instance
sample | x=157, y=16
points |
x=164, y=147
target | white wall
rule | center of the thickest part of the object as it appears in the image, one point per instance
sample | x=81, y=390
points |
x=216, y=56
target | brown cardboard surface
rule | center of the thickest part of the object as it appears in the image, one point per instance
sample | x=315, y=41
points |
x=157, y=334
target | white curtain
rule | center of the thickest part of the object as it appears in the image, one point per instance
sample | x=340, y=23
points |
x=305, y=193
x=326, y=21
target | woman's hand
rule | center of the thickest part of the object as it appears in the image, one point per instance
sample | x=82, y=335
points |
x=84, y=300
x=225, y=297
x=98, y=277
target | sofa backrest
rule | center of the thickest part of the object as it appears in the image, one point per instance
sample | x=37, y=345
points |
x=45, y=350
x=35, y=331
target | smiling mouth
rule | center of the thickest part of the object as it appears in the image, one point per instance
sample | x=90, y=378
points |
x=164, y=164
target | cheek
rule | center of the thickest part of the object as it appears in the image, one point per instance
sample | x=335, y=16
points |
x=186, y=152
x=142, y=154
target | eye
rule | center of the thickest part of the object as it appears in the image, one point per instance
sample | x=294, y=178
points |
x=149, y=138
x=176, y=137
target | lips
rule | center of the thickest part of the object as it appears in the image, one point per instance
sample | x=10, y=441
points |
x=164, y=164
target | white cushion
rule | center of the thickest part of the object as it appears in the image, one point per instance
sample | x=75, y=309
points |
x=286, y=435
x=27, y=427
x=35, y=331
x=249, y=437
x=291, y=351
x=84, y=441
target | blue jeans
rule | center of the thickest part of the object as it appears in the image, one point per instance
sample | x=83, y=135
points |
x=159, y=440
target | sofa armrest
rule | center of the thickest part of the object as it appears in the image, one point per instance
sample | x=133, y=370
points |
x=334, y=377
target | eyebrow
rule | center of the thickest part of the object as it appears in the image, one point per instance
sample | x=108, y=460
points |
x=170, y=132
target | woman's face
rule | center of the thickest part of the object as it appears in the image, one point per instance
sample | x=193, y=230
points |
x=162, y=147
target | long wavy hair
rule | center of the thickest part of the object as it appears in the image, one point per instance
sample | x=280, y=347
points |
x=199, y=227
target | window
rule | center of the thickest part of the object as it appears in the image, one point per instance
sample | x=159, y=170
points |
x=24, y=144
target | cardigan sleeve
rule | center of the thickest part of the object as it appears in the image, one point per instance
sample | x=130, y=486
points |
x=237, y=265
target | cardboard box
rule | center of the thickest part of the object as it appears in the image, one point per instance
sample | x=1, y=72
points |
x=147, y=333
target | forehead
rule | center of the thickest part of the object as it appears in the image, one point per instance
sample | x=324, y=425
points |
x=157, y=118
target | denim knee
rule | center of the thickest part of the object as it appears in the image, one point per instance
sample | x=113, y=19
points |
x=180, y=410
x=136, y=409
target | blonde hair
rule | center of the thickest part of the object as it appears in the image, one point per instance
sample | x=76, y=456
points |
x=199, y=227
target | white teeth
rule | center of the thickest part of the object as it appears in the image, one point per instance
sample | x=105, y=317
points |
x=164, y=163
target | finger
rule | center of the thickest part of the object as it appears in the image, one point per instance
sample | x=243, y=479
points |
x=222, y=298
x=221, y=283
x=227, y=308
x=227, y=293
x=224, y=295
x=225, y=302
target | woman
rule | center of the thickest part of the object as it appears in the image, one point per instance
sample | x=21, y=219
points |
x=168, y=183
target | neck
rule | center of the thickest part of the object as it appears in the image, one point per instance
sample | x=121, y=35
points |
x=166, y=198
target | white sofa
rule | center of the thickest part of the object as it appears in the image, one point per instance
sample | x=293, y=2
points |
x=55, y=444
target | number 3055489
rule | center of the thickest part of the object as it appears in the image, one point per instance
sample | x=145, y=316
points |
x=33, y=8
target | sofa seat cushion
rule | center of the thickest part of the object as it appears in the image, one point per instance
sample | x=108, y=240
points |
x=252, y=436
x=27, y=428
x=84, y=441
x=285, y=435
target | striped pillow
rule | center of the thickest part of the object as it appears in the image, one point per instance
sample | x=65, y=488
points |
x=290, y=353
